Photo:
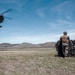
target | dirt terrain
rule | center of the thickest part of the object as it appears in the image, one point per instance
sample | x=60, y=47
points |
x=35, y=61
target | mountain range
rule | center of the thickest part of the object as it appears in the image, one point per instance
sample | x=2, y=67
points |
x=27, y=45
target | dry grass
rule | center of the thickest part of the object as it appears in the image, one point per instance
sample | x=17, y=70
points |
x=35, y=62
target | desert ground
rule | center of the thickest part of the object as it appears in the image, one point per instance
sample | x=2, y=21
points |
x=35, y=61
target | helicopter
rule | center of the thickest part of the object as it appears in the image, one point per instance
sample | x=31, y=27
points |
x=2, y=16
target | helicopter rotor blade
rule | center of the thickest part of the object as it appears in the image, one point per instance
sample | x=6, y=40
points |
x=6, y=11
x=8, y=17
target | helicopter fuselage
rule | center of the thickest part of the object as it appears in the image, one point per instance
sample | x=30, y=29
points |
x=1, y=18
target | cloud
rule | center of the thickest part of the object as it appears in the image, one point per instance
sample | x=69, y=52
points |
x=60, y=24
x=40, y=13
x=64, y=9
x=35, y=39
x=31, y=39
x=71, y=33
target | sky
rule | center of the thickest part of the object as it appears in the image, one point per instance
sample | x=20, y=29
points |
x=36, y=21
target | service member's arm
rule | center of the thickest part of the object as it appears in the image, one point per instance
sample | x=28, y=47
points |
x=68, y=38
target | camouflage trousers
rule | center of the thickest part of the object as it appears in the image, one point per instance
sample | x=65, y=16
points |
x=65, y=49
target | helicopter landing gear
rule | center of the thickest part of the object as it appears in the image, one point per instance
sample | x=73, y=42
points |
x=0, y=26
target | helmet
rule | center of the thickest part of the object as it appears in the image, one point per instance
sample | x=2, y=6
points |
x=64, y=32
